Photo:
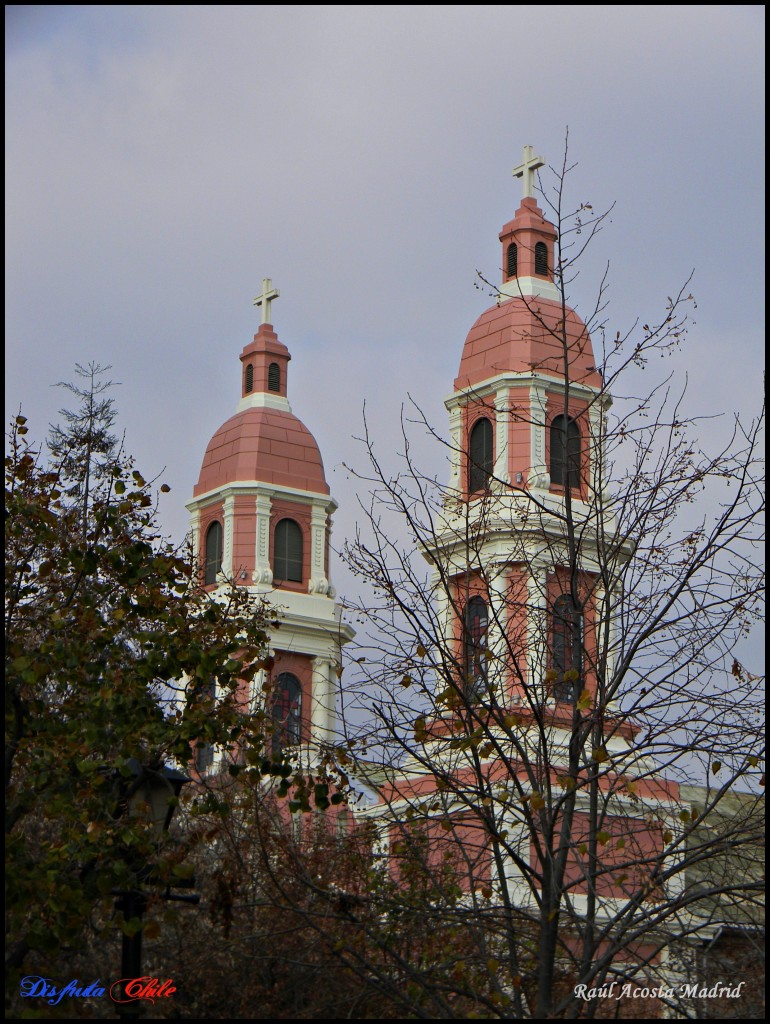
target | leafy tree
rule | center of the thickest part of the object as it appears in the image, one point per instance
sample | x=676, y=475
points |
x=301, y=918
x=111, y=650
x=84, y=444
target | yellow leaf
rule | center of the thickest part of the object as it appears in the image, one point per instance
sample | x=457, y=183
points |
x=599, y=754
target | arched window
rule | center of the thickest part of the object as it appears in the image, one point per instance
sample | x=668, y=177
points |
x=566, y=648
x=204, y=752
x=286, y=712
x=287, y=552
x=475, y=648
x=541, y=258
x=512, y=260
x=274, y=377
x=565, y=452
x=204, y=757
x=213, y=552
x=249, y=378
x=480, y=456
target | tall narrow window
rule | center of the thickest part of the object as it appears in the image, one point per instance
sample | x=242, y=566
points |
x=566, y=648
x=480, y=456
x=274, y=377
x=213, y=552
x=565, y=452
x=287, y=552
x=541, y=259
x=512, y=260
x=204, y=752
x=475, y=644
x=286, y=712
x=249, y=378
x=204, y=757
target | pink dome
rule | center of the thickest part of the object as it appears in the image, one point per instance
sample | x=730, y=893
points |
x=266, y=445
x=516, y=336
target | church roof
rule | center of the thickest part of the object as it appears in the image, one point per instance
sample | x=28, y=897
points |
x=266, y=445
x=263, y=442
x=526, y=331
x=522, y=335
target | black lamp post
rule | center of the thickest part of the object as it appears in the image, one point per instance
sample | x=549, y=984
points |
x=152, y=795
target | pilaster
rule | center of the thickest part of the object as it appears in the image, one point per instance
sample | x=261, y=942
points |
x=318, y=582
x=262, y=572
x=539, y=476
x=229, y=527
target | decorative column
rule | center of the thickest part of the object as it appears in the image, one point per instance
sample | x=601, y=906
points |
x=455, y=450
x=195, y=534
x=257, y=690
x=502, y=427
x=539, y=476
x=318, y=582
x=322, y=708
x=445, y=615
x=262, y=571
x=597, y=427
x=537, y=630
x=498, y=632
x=228, y=506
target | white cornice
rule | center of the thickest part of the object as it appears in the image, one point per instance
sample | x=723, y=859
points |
x=530, y=287
x=255, y=488
x=521, y=378
x=263, y=400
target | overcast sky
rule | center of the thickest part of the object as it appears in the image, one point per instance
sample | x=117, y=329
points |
x=161, y=160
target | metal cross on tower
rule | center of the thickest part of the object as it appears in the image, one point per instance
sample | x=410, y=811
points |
x=526, y=170
x=268, y=294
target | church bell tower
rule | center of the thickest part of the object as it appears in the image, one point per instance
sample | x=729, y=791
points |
x=261, y=515
x=526, y=418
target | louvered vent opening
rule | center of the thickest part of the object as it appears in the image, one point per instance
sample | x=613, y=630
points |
x=274, y=377
x=213, y=553
x=512, y=265
x=287, y=553
x=286, y=712
x=541, y=258
x=566, y=648
x=480, y=456
x=476, y=625
x=249, y=378
x=565, y=452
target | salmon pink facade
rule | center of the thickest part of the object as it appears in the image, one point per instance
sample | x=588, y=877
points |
x=261, y=516
x=492, y=769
